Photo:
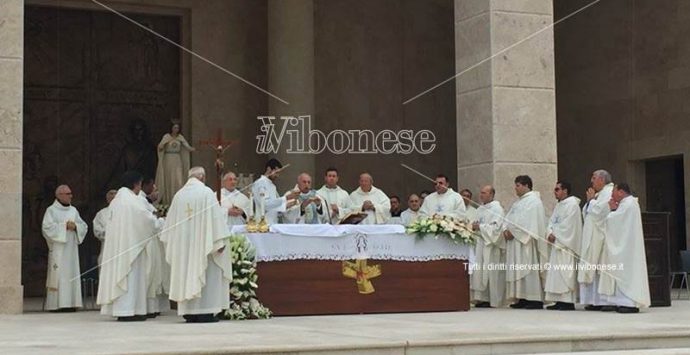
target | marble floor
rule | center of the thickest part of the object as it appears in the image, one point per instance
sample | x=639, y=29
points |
x=480, y=331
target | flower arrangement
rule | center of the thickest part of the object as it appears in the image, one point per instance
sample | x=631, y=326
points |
x=162, y=210
x=460, y=232
x=243, y=301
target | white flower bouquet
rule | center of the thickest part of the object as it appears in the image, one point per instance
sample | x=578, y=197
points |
x=460, y=232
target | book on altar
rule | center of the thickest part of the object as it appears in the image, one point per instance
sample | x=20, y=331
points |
x=353, y=218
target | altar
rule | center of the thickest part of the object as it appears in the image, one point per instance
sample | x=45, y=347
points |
x=352, y=269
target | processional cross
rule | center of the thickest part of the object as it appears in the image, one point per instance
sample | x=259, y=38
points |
x=220, y=146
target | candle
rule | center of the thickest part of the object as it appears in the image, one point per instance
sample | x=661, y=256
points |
x=251, y=205
x=263, y=211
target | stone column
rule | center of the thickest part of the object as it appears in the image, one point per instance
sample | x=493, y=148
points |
x=11, y=93
x=506, y=116
x=291, y=75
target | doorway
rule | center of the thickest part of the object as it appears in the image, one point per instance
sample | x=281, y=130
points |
x=98, y=94
x=666, y=193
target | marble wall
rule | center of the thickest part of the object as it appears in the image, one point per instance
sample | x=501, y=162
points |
x=623, y=84
x=506, y=115
x=11, y=92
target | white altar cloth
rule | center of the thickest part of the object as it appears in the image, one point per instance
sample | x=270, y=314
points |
x=347, y=242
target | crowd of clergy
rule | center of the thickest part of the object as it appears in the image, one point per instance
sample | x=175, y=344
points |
x=591, y=254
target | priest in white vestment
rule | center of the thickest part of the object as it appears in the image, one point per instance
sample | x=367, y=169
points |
x=470, y=211
x=310, y=208
x=236, y=205
x=196, y=247
x=101, y=221
x=410, y=215
x=488, y=280
x=157, y=270
x=337, y=200
x=526, y=248
x=593, y=233
x=444, y=202
x=267, y=202
x=123, y=286
x=63, y=230
x=627, y=285
x=564, y=233
x=370, y=200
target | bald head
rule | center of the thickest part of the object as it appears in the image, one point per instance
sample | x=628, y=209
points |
x=487, y=194
x=304, y=182
x=366, y=182
x=414, y=202
x=64, y=194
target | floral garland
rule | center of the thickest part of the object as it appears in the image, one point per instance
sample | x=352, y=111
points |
x=243, y=301
x=460, y=232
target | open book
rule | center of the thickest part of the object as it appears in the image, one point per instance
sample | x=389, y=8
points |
x=353, y=218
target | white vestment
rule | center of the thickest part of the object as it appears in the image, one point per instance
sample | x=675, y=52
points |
x=566, y=225
x=338, y=197
x=409, y=216
x=267, y=200
x=235, y=198
x=488, y=280
x=196, y=247
x=99, y=224
x=628, y=284
x=471, y=213
x=381, y=202
x=311, y=215
x=449, y=203
x=157, y=270
x=593, y=233
x=63, y=282
x=123, y=287
x=526, y=253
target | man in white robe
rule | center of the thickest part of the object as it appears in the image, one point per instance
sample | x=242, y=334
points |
x=157, y=270
x=593, y=232
x=63, y=230
x=488, y=280
x=267, y=202
x=526, y=248
x=627, y=286
x=236, y=205
x=470, y=211
x=444, y=202
x=196, y=247
x=123, y=286
x=337, y=199
x=310, y=208
x=370, y=200
x=101, y=221
x=564, y=234
x=410, y=215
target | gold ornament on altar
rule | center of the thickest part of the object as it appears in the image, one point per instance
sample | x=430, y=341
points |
x=362, y=273
x=252, y=226
x=263, y=225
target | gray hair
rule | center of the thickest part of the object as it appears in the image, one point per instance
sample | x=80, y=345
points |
x=603, y=174
x=61, y=188
x=197, y=172
x=228, y=174
x=303, y=174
